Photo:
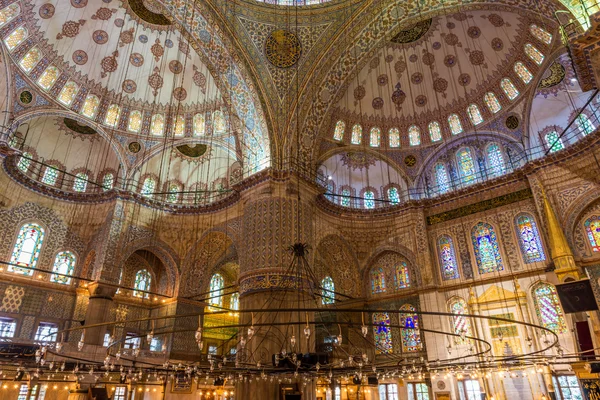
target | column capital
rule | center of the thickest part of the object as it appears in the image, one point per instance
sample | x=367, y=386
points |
x=101, y=290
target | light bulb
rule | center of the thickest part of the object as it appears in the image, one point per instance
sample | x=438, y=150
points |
x=307, y=332
x=293, y=341
x=198, y=334
x=365, y=330
x=150, y=336
x=250, y=332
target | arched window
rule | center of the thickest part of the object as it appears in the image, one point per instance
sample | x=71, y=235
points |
x=24, y=162
x=474, y=114
x=414, y=135
x=375, y=137
x=377, y=280
x=112, y=115
x=345, y=200
x=219, y=123
x=455, y=124
x=16, y=38
x=26, y=251
x=50, y=176
x=234, y=302
x=108, y=181
x=394, y=137
x=173, y=193
x=441, y=178
x=548, y=309
x=466, y=165
x=340, y=128
x=327, y=291
x=495, y=160
x=541, y=34
x=487, y=252
x=447, y=256
x=409, y=325
x=199, y=125
x=584, y=124
x=142, y=284
x=369, y=199
x=534, y=54
x=435, y=131
x=157, y=125
x=356, y=134
x=30, y=60
x=491, y=101
x=523, y=72
x=8, y=13
x=179, y=125
x=592, y=228
x=135, y=121
x=64, y=264
x=553, y=141
x=393, y=195
x=80, y=183
x=509, y=88
x=401, y=276
x=216, y=290
x=382, y=333
x=68, y=93
x=529, y=239
x=460, y=323
x=148, y=187
x=48, y=77
x=90, y=106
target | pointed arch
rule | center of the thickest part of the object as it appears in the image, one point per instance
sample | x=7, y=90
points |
x=487, y=250
x=26, y=251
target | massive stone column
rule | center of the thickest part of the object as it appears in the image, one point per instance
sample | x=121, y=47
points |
x=98, y=311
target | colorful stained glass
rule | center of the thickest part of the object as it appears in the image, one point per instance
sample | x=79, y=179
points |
x=455, y=124
x=394, y=137
x=219, y=123
x=414, y=135
x=393, y=195
x=529, y=239
x=64, y=264
x=48, y=77
x=548, y=309
x=148, y=187
x=173, y=194
x=80, y=182
x=460, y=323
x=410, y=333
x=377, y=280
x=234, y=302
x=16, y=37
x=369, y=199
x=401, y=276
x=356, y=134
x=108, y=181
x=466, y=165
x=584, y=124
x=487, y=252
x=534, y=54
x=112, y=115
x=340, y=128
x=8, y=13
x=90, y=106
x=135, y=121
x=495, y=160
x=50, y=176
x=541, y=34
x=179, y=125
x=382, y=333
x=441, y=178
x=327, y=291
x=447, y=258
x=592, y=228
x=491, y=101
x=474, y=114
x=521, y=70
x=30, y=60
x=509, y=89
x=143, y=280
x=68, y=93
x=157, y=125
x=345, y=199
x=24, y=162
x=26, y=251
x=216, y=290
x=435, y=131
x=375, y=137
x=199, y=125
x=553, y=141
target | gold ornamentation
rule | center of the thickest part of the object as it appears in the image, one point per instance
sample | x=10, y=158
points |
x=412, y=34
x=283, y=48
x=557, y=74
x=134, y=147
x=410, y=161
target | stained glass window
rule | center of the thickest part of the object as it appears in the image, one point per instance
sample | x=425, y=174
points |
x=441, y=178
x=382, y=333
x=592, y=228
x=30, y=60
x=157, y=125
x=584, y=124
x=409, y=323
x=64, y=264
x=534, y=54
x=108, y=181
x=509, y=89
x=447, y=256
x=523, y=72
x=548, y=309
x=135, y=121
x=50, y=176
x=553, y=141
x=487, y=252
x=148, y=187
x=48, y=77
x=112, y=115
x=460, y=323
x=401, y=276
x=24, y=162
x=394, y=137
x=68, y=93
x=46, y=332
x=179, y=125
x=369, y=199
x=393, y=195
x=26, y=251
x=495, y=160
x=173, y=194
x=327, y=291
x=338, y=133
x=216, y=290
x=435, y=131
x=234, y=303
x=466, y=165
x=375, y=137
x=199, y=125
x=219, y=124
x=90, y=106
x=474, y=114
x=491, y=101
x=16, y=37
x=356, y=134
x=345, y=200
x=8, y=13
x=543, y=35
x=377, y=280
x=455, y=124
x=143, y=279
x=529, y=239
x=414, y=135
x=80, y=183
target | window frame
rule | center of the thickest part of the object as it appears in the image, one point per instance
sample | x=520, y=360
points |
x=387, y=395
x=53, y=335
x=415, y=393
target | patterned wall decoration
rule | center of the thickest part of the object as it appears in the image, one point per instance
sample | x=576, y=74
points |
x=332, y=253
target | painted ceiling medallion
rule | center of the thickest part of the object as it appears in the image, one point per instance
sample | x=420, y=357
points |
x=283, y=48
x=413, y=33
x=358, y=160
x=553, y=76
